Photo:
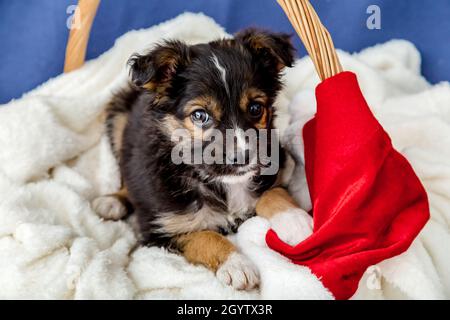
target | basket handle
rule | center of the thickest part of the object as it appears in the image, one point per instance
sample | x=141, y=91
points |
x=314, y=36
x=301, y=14
x=79, y=37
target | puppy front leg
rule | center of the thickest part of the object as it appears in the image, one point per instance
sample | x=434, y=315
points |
x=275, y=201
x=291, y=223
x=218, y=254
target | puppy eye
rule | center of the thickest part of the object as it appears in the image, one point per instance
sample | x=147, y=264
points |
x=200, y=117
x=255, y=110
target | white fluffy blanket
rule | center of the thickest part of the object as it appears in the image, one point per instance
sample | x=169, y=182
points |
x=54, y=160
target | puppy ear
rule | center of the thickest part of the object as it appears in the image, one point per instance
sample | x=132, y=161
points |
x=271, y=48
x=155, y=70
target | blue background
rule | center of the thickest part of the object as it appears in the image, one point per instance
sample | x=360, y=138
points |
x=33, y=33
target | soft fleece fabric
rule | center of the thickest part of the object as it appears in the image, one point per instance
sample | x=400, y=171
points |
x=54, y=159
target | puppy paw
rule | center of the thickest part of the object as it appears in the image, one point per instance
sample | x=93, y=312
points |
x=109, y=207
x=292, y=226
x=239, y=272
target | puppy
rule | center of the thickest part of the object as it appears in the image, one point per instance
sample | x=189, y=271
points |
x=202, y=90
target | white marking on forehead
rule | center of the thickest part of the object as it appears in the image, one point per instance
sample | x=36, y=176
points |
x=222, y=71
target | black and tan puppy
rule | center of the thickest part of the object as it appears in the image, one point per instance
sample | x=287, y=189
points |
x=218, y=86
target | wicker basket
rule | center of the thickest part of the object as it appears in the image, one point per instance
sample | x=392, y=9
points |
x=301, y=14
x=79, y=37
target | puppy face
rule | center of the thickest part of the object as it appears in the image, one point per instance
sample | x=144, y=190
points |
x=220, y=93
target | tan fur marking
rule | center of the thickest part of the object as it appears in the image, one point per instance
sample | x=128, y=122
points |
x=170, y=124
x=204, y=102
x=207, y=248
x=196, y=132
x=122, y=194
x=274, y=201
x=119, y=123
x=252, y=94
x=188, y=124
x=159, y=88
x=262, y=124
x=150, y=86
x=243, y=104
x=215, y=110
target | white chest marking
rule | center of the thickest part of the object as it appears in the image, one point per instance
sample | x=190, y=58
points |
x=240, y=203
x=239, y=197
